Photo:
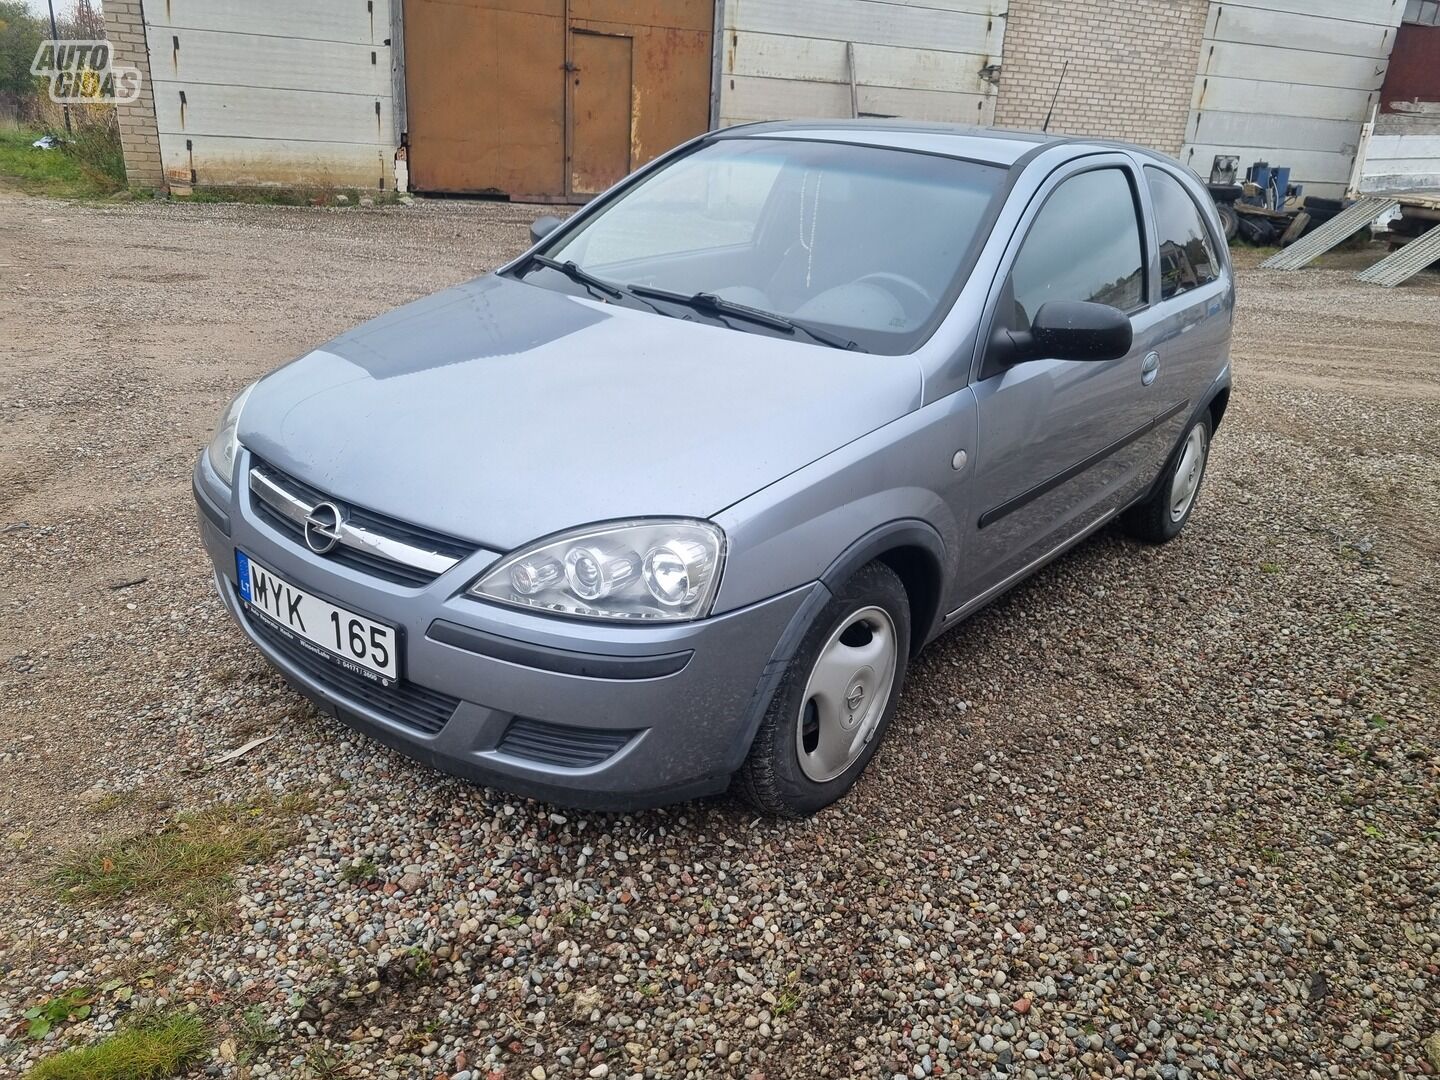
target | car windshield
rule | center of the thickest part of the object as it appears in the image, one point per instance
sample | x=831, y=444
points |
x=862, y=245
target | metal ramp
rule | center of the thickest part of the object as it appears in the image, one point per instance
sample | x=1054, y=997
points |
x=1339, y=228
x=1405, y=263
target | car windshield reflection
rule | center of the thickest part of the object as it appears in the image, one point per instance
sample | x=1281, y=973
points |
x=868, y=243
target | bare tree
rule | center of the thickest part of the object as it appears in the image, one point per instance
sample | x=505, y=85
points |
x=86, y=24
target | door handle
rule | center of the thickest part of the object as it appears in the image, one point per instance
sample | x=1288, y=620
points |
x=1149, y=368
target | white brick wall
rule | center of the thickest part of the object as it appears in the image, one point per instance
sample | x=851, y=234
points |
x=139, y=135
x=1131, y=68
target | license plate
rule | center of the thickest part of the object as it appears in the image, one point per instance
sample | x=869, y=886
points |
x=358, y=644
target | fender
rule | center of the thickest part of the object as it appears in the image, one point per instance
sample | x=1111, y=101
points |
x=908, y=532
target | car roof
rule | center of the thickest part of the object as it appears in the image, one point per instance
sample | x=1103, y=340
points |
x=990, y=145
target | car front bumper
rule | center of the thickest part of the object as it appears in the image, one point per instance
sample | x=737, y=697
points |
x=592, y=715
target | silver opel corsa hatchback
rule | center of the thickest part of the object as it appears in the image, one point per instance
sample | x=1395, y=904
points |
x=669, y=502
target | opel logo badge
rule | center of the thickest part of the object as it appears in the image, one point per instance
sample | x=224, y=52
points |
x=855, y=697
x=322, y=527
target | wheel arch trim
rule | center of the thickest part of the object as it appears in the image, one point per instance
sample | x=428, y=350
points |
x=1219, y=391
x=908, y=534
x=916, y=552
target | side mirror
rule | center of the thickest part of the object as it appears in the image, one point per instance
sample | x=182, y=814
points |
x=1071, y=330
x=543, y=227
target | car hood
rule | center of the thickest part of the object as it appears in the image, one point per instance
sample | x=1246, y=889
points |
x=500, y=412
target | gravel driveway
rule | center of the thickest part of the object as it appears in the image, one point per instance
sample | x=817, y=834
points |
x=1159, y=812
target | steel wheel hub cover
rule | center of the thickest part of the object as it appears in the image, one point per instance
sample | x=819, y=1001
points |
x=846, y=694
x=1187, y=473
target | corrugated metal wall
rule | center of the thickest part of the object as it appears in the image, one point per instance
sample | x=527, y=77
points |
x=1290, y=82
x=1404, y=160
x=273, y=91
x=921, y=59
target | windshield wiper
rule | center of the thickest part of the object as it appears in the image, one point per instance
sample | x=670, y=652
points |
x=595, y=284
x=700, y=301
x=579, y=276
x=718, y=305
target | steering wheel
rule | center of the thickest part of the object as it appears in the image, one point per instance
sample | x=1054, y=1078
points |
x=914, y=297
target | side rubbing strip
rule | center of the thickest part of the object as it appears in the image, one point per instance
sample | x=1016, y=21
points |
x=994, y=514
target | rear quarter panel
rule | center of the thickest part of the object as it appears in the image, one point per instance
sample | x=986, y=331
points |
x=1192, y=331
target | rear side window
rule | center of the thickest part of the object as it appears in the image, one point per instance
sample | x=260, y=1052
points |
x=1084, y=245
x=1187, y=256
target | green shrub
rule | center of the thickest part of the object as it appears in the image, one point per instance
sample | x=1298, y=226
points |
x=95, y=149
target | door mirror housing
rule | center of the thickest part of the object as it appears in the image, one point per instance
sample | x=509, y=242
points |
x=1069, y=330
x=542, y=227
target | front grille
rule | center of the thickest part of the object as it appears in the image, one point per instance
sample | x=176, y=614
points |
x=559, y=744
x=364, y=561
x=404, y=702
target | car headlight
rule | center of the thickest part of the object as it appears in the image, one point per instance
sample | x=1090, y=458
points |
x=225, y=445
x=628, y=570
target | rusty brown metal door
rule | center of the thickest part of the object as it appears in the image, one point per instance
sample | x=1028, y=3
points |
x=671, y=59
x=600, y=110
x=481, y=83
x=494, y=107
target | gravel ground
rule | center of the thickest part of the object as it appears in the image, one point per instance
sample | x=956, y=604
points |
x=1159, y=812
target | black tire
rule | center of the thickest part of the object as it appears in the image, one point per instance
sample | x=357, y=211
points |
x=1154, y=520
x=773, y=778
x=1229, y=220
x=1255, y=230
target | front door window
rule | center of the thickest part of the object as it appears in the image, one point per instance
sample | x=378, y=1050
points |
x=1083, y=245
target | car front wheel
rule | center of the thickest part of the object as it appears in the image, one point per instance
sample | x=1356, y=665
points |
x=834, y=701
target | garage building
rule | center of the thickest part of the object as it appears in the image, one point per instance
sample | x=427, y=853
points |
x=554, y=100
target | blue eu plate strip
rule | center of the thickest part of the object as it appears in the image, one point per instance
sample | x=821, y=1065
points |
x=242, y=571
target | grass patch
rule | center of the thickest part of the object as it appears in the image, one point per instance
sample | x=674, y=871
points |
x=360, y=873
x=130, y=800
x=96, y=151
x=186, y=865
x=1246, y=257
x=150, y=1049
x=89, y=165
x=41, y=172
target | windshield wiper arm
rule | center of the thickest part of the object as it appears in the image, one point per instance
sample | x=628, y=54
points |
x=705, y=301
x=718, y=305
x=577, y=275
x=591, y=282
x=700, y=301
